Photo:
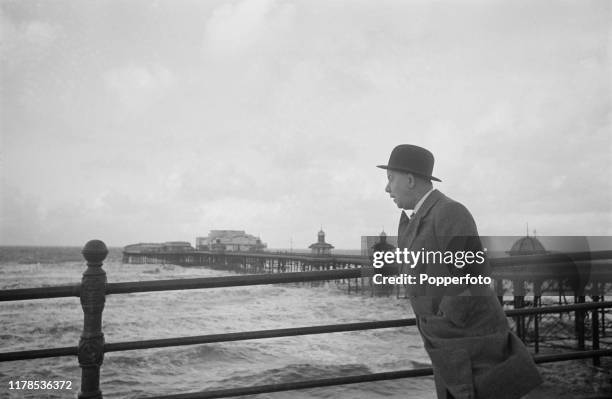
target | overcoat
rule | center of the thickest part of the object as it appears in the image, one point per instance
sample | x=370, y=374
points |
x=474, y=354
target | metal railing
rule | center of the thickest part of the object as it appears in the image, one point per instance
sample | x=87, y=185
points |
x=91, y=348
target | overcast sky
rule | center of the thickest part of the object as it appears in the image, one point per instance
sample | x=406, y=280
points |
x=149, y=121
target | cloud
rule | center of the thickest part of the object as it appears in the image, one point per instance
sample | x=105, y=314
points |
x=236, y=27
x=138, y=87
x=40, y=33
x=26, y=42
x=20, y=216
x=30, y=32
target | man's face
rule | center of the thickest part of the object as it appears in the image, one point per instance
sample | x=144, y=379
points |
x=401, y=189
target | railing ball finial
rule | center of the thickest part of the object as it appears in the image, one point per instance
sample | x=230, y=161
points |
x=95, y=251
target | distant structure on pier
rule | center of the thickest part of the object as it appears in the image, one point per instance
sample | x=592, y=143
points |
x=321, y=247
x=382, y=245
x=169, y=246
x=527, y=246
x=369, y=243
x=230, y=240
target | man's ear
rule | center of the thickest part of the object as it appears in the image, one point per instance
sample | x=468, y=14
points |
x=410, y=180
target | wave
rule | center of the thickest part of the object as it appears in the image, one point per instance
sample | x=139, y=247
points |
x=56, y=330
x=27, y=255
x=13, y=338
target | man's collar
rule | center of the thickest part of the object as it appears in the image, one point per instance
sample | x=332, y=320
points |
x=421, y=201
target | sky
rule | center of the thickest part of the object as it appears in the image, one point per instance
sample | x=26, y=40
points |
x=151, y=121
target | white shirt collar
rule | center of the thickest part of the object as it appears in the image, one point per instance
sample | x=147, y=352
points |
x=421, y=201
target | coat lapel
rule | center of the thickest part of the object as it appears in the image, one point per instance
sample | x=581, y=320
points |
x=412, y=229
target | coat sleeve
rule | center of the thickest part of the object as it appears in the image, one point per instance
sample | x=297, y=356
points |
x=454, y=225
x=456, y=232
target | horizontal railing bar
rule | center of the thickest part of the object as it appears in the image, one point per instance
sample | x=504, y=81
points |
x=286, y=332
x=21, y=294
x=246, y=335
x=325, y=382
x=289, y=386
x=572, y=355
x=38, y=353
x=274, y=333
x=181, y=284
x=229, y=281
x=522, y=260
x=558, y=308
x=212, y=338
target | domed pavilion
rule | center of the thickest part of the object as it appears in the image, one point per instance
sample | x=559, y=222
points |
x=321, y=247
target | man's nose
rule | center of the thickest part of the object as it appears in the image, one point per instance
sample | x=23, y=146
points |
x=388, y=189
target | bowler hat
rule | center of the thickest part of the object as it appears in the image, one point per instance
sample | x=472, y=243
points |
x=411, y=159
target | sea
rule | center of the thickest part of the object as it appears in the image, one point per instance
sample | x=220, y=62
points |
x=51, y=323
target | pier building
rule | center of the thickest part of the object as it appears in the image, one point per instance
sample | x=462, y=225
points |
x=368, y=243
x=168, y=246
x=528, y=245
x=230, y=240
x=321, y=247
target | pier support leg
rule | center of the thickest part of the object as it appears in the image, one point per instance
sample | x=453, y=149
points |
x=603, y=317
x=91, y=344
x=595, y=332
x=579, y=323
x=536, y=323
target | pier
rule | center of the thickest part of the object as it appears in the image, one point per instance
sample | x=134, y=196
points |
x=258, y=262
x=265, y=262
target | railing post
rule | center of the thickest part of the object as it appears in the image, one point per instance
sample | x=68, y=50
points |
x=91, y=344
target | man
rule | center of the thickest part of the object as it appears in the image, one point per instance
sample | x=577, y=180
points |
x=473, y=353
